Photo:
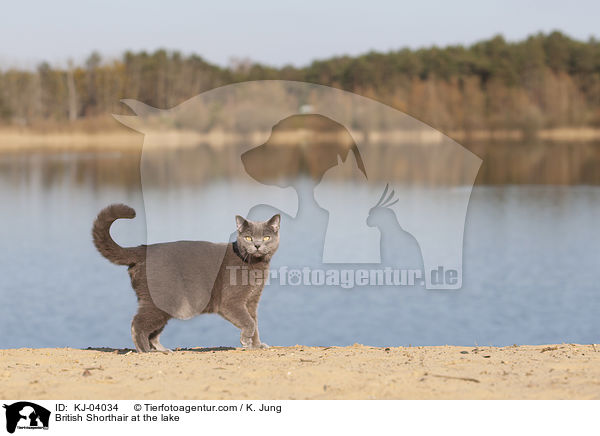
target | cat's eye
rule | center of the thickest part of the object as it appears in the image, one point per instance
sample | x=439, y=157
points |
x=266, y=238
x=248, y=238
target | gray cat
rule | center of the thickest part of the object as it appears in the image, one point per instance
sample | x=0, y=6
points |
x=186, y=278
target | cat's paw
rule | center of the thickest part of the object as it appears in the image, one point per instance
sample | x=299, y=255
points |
x=160, y=348
x=260, y=346
x=246, y=342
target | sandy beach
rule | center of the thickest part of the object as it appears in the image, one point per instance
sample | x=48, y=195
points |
x=564, y=371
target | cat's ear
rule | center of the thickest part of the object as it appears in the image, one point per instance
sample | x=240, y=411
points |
x=274, y=222
x=240, y=222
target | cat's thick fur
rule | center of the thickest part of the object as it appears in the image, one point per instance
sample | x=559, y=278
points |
x=181, y=265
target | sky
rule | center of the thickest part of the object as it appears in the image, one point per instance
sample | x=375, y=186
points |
x=273, y=32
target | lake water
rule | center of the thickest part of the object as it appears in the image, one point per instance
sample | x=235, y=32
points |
x=531, y=260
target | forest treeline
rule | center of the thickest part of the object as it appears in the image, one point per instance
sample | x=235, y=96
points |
x=544, y=81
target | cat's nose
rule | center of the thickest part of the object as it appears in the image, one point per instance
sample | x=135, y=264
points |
x=256, y=245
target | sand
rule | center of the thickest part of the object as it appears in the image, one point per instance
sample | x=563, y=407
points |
x=565, y=371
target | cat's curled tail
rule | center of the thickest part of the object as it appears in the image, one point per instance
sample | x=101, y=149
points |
x=103, y=241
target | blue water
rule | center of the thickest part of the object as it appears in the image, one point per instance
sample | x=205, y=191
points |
x=531, y=260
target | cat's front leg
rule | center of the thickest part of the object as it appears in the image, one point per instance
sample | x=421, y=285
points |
x=256, y=343
x=252, y=310
x=240, y=318
x=246, y=341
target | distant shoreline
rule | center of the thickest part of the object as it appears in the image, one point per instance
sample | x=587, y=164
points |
x=560, y=371
x=23, y=139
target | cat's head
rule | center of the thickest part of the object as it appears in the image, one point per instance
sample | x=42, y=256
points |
x=258, y=240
